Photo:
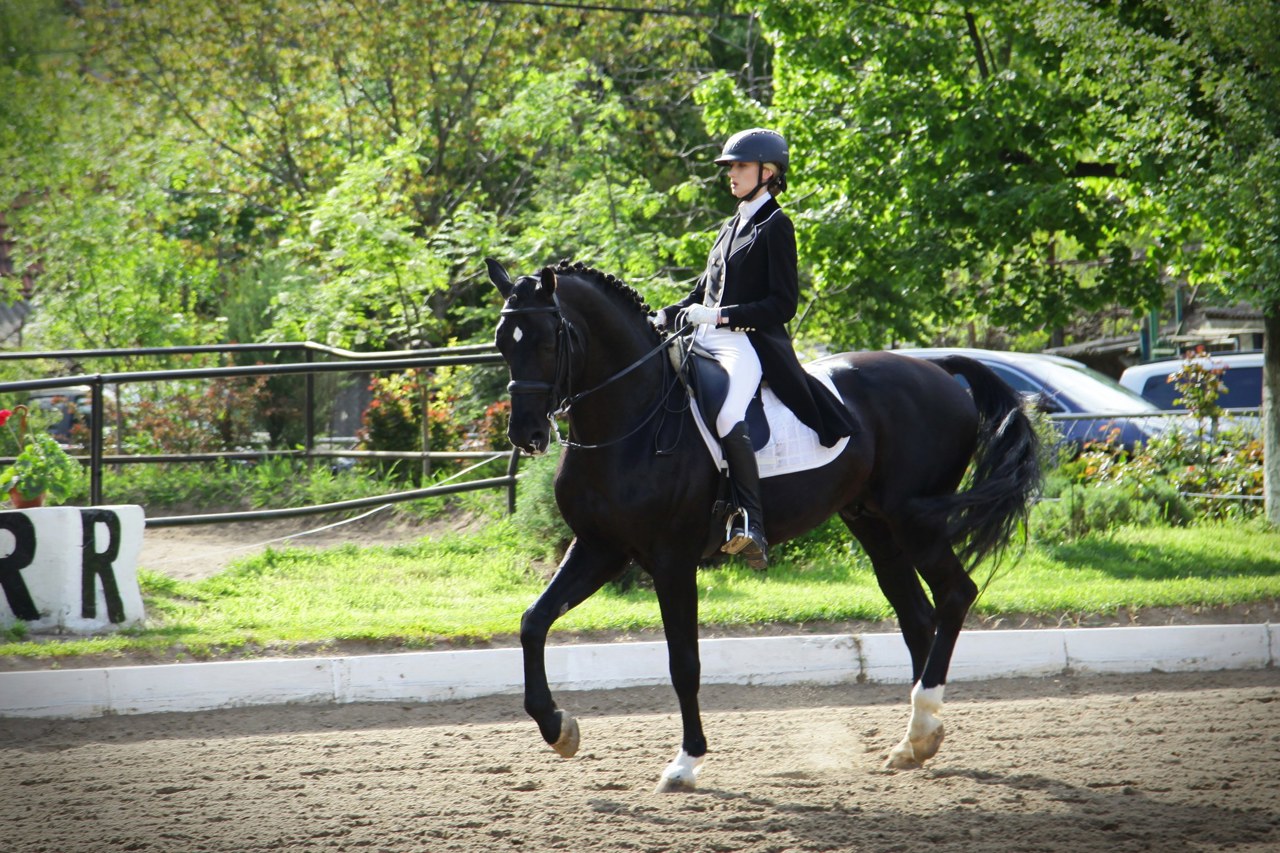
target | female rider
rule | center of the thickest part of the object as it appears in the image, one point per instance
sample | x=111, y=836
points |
x=740, y=306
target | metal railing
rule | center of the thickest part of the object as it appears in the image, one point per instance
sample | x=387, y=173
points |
x=352, y=362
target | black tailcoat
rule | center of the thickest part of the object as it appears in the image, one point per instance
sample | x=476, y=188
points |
x=759, y=296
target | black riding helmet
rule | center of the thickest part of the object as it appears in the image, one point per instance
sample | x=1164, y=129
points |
x=758, y=145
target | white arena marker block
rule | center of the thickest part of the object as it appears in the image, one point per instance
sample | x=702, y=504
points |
x=54, y=693
x=1007, y=654
x=428, y=676
x=606, y=666
x=71, y=569
x=223, y=684
x=1172, y=648
x=820, y=659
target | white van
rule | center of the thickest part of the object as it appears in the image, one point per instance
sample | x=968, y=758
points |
x=1243, y=378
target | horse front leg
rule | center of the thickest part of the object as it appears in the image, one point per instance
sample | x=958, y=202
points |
x=583, y=571
x=678, y=600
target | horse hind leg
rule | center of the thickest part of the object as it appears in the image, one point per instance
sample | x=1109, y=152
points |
x=900, y=584
x=929, y=551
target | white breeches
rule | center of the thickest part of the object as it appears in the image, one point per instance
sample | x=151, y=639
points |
x=734, y=351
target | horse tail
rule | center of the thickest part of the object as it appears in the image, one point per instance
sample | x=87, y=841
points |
x=1005, y=472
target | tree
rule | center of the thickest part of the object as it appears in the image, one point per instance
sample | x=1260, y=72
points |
x=281, y=109
x=1237, y=50
x=84, y=203
x=1026, y=162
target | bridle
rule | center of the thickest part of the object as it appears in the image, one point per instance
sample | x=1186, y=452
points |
x=559, y=391
x=560, y=388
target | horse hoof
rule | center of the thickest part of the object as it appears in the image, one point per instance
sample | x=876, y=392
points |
x=681, y=775
x=912, y=754
x=902, y=757
x=675, y=785
x=566, y=746
x=927, y=746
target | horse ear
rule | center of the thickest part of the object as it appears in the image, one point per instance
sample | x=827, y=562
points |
x=498, y=275
x=547, y=282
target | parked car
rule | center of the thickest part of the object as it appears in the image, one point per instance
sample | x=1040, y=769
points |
x=1064, y=389
x=72, y=404
x=1243, y=378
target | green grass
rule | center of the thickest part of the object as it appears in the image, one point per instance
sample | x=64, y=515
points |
x=473, y=587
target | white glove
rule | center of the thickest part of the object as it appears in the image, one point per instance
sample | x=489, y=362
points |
x=700, y=315
x=660, y=319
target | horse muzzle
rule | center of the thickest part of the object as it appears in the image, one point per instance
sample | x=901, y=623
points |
x=528, y=431
x=533, y=439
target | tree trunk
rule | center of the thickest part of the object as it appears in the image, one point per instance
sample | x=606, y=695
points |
x=1271, y=412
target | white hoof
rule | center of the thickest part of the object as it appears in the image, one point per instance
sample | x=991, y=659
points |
x=567, y=744
x=681, y=774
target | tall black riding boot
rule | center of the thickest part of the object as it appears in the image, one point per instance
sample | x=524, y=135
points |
x=746, y=537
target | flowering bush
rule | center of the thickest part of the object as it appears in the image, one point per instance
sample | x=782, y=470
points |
x=42, y=467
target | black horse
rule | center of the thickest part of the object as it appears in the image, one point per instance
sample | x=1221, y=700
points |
x=635, y=482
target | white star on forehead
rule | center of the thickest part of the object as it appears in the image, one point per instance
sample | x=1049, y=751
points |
x=517, y=335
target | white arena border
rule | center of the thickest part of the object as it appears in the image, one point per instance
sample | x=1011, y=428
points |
x=451, y=675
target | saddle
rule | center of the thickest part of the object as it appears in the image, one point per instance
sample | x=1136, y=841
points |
x=707, y=382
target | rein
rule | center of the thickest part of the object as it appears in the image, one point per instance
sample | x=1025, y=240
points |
x=561, y=390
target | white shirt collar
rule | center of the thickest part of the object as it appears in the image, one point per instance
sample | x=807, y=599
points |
x=748, y=209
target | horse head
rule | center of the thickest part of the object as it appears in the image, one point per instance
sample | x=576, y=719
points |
x=569, y=335
x=528, y=336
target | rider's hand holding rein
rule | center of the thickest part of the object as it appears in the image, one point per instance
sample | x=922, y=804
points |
x=699, y=315
x=694, y=315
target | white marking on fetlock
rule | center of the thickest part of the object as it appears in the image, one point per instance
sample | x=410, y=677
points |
x=924, y=731
x=926, y=704
x=681, y=774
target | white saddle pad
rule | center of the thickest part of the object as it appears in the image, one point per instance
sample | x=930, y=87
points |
x=792, y=446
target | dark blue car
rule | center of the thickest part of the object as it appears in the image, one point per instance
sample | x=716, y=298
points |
x=1066, y=390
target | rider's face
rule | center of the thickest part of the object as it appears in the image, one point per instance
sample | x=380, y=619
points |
x=743, y=178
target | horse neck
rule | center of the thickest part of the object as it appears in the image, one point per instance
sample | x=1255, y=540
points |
x=613, y=339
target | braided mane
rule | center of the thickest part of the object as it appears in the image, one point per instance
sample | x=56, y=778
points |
x=610, y=284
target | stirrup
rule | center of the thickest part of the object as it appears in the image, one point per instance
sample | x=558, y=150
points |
x=739, y=540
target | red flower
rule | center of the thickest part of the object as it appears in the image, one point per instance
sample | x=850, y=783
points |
x=5, y=414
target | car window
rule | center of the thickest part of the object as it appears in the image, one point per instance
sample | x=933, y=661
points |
x=1244, y=389
x=1159, y=390
x=1016, y=380
x=1088, y=389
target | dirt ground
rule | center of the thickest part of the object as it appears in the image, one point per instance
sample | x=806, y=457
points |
x=1171, y=763
x=1179, y=763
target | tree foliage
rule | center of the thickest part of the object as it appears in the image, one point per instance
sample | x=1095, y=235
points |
x=373, y=151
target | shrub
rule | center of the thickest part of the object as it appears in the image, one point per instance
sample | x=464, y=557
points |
x=193, y=417
x=455, y=421
x=537, y=516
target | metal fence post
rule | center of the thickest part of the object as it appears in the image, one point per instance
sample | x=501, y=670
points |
x=511, y=472
x=96, y=421
x=309, y=403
